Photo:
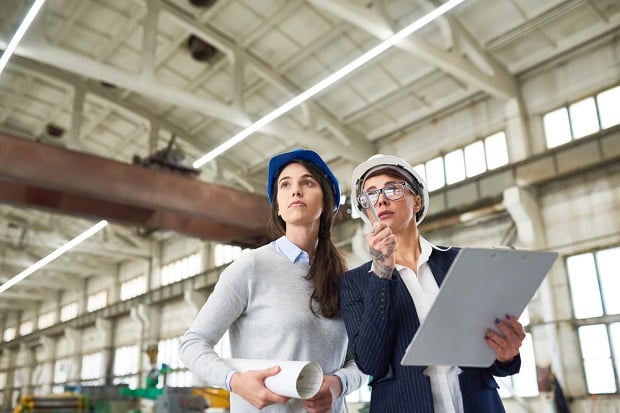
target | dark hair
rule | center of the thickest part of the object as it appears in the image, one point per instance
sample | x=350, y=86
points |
x=328, y=263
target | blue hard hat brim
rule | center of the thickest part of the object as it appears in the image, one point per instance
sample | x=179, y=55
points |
x=280, y=161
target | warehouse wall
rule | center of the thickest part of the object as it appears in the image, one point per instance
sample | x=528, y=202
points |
x=578, y=213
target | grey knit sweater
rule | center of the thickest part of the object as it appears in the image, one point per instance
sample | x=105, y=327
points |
x=262, y=298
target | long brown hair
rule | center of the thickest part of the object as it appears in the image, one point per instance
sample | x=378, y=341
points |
x=329, y=263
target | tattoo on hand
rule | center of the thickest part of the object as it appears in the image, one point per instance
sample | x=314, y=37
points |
x=382, y=270
x=377, y=255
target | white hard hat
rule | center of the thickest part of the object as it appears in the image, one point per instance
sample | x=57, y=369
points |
x=380, y=161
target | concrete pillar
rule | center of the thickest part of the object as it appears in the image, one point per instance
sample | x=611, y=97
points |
x=106, y=331
x=74, y=340
x=517, y=133
x=194, y=299
x=9, y=390
x=48, y=356
x=26, y=360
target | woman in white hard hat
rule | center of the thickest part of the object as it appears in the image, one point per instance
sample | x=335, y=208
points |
x=281, y=301
x=384, y=301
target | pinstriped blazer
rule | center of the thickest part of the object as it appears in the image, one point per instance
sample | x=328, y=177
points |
x=381, y=319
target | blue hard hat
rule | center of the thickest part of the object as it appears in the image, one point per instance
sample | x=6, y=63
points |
x=280, y=161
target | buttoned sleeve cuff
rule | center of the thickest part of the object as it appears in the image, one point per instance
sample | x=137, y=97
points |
x=344, y=381
x=229, y=378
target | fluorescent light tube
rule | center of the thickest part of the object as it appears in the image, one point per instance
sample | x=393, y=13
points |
x=51, y=257
x=19, y=33
x=328, y=81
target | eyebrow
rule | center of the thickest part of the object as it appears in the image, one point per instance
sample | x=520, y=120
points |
x=304, y=176
x=386, y=183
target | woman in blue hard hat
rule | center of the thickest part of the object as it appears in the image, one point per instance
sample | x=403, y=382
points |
x=281, y=301
x=385, y=300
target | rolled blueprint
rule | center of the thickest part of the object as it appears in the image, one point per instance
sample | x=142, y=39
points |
x=296, y=379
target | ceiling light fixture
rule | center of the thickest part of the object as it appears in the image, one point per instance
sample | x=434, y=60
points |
x=328, y=81
x=51, y=257
x=19, y=33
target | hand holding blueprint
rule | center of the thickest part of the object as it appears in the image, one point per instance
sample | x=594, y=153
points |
x=297, y=379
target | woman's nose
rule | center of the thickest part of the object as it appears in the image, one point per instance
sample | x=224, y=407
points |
x=382, y=199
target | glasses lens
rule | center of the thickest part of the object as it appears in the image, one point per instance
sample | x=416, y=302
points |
x=372, y=195
x=362, y=201
x=394, y=192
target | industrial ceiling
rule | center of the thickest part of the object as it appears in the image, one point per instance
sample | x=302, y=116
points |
x=98, y=92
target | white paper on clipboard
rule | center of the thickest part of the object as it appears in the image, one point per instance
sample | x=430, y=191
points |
x=481, y=284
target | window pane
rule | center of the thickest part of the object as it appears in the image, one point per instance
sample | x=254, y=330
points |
x=594, y=342
x=421, y=170
x=524, y=319
x=68, y=312
x=583, y=118
x=45, y=320
x=455, y=166
x=557, y=128
x=599, y=376
x=61, y=370
x=607, y=262
x=26, y=328
x=608, y=104
x=435, y=177
x=526, y=382
x=614, y=332
x=597, y=359
x=126, y=360
x=9, y=333
x=475, y=162
x=585, y=292
x=497, y=150
x=91, y=366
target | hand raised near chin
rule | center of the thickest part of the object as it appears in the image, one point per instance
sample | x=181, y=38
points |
x=383, y=246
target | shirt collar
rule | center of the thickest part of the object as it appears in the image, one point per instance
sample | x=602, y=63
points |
x=291, y=251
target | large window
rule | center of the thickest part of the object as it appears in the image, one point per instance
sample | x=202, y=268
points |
x=126, y=362
x=524, y=384
x=68, y=311
x=9, y=333
x=178, y=376
x=91, y=369
x=462, y=163
x=181, y=269
x=97, y=300
x=46, y=320
x=26, y=327
x=594, y=285
x=62, y=369
x=582, y=118
x=224, y=254
x=133, y=288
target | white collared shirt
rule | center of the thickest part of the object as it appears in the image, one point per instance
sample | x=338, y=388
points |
x=423, y=288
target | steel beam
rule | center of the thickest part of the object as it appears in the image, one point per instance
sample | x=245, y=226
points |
x=47, y=177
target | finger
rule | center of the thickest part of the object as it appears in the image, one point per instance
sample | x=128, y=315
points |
x=271, y=371
x=511, y=329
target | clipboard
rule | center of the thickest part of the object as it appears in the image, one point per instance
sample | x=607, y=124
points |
x=481, y=284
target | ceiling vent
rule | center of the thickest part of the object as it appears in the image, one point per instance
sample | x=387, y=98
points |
x=201, y=50
x=202, y=3
x=54, y=131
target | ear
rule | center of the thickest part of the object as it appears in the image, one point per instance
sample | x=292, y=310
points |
x=417, y=203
